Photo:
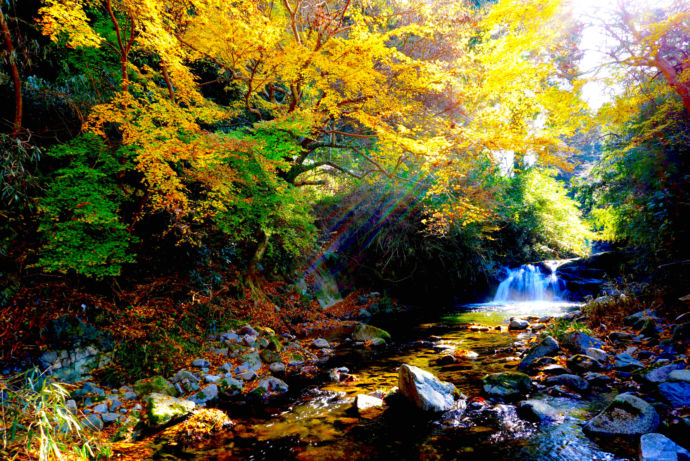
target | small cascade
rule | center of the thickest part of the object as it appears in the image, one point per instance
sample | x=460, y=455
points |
x=530, y=283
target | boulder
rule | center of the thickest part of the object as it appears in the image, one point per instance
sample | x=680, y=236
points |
x=230, y=387
x=277, y=367
x=626, y=362
x=581, y=363
x=547, y=346
x=572, y=382
x=425, y=390
x=364, y=332
x=676, y=393
x=207, y=394
x=320, y=343
x=507, y=385
x=579, y=342
x=201, y=363
x=538, y=411
x=157, y=384
x=658, y=447
x=273, y=385
x=92, y=422
x=555, y=369
x=597, y=354
x=626, y=416
x=637, y=319
x=268, y=356
x=365, y=402
x=620, y=337
x=679, y=376
x=517, y=324
x=162, y=408
x=661, y=374
x=250, y=362
x=247, y=330
x=597, y=379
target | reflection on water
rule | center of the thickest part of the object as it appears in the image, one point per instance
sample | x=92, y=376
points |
x=321, y=424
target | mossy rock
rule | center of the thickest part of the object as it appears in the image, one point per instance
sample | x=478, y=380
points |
x=507, y=385
x=270, y=356
x=129, y=430
x=274, y=344
x=364, y=332
x=157, y=384
x=161, y=409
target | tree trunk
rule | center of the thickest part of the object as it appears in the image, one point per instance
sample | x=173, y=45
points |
x=258, y=255
x=18, y=101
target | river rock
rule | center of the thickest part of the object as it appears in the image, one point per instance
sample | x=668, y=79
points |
x=620, y=337
x=658, y=447
x=626, y=362
x=273, y=385
x=597, y=354
x=676, y=393
x=507, y=385
x=92, y=422
x=162, y=408
x=230, y=387
x=425, y=390
x=626, y=416
x=661, y=374
x=547, y=346
x=538, y=411
x=573, y=382
x=201, y=363
x=579, y=342
x=637, y=319
x=365, y=402
x=364, y=332
x=157, y=384
x=250, y=362
x=277, y=368
x=597, y=379
x=247, y=330
x=555, y=369
x=679, y=376
x=581, y=363
x=207, y=394
x=517, y=324
x=320, y=343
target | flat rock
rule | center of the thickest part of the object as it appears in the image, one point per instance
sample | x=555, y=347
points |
x=626, y=362
x=579, y=342
x=661, y=374
x=365, y=402
x=162, y=408
x=207, y=394
x=626, y=416
x=507, y=385
x=597, y=354
x=548, y=346
x=273, y=385
x=320, y=343
x=157, y=384
x=92, y=422
x=597, y=379
x=581, y=363
x=676, y=393
x=555, y=369
x=679, y=376
x=201, y=363
x=658, y=447
x=538, y=411
x=572, y=382
x=517, y=324
x=425, y=390
x=364, y=332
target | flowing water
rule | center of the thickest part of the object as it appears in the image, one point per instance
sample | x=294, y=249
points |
x=319, y=423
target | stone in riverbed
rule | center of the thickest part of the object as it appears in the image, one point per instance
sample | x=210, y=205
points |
x=680, y=376
x=626, y=416
x=273, y=385
x=92, y=422
x=573, y=382
x=538, y=411
x=626, y=362
x=658, y=447
x=320, y=343
x=676, y=393
x=661, y=374
x=597, y=379
x=581, y=363
x=548, y=346
x=555, y=369
x=201, y=363
x=157, y=384
x=251, y=362
x=579, y=342
x=517, y=324
x=364, y=332
x=365, y=402
x=161, y=409
x=597, y=354
x=277, y=367
x=507, y=385
x=207, y=394
x=425, y=390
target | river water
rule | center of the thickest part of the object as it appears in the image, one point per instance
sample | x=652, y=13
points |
x=319, y=423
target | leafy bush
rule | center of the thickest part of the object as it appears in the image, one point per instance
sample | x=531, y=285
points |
x=81, y=226
x=37, y=424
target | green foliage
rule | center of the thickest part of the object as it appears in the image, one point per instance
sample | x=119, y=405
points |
x=545, y=221
x=559, y=327
x=81, y=226
x=36, y=421
x=639, y=192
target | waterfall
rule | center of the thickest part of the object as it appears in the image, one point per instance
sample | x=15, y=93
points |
x=530, y=283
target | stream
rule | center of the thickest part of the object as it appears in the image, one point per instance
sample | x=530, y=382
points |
x=320, y=423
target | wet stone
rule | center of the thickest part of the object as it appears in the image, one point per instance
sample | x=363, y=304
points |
x=658, y=447
x=661, y=374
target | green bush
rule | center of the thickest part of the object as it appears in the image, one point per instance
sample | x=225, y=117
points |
x=81, y=226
